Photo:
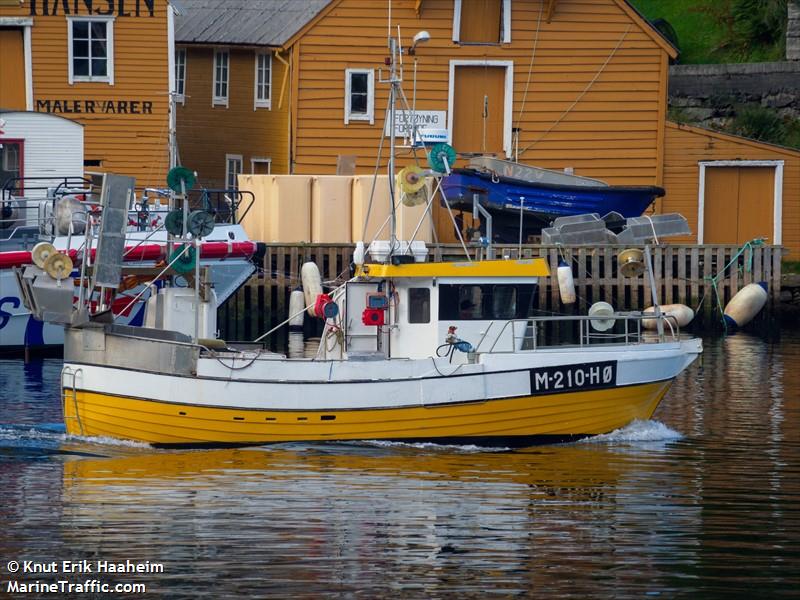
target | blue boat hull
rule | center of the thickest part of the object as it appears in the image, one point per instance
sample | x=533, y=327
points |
x=539, y=203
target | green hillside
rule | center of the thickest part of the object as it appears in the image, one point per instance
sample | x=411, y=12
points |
x=722, y=31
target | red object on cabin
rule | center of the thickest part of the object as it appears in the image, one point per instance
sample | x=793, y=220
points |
x=373, y=317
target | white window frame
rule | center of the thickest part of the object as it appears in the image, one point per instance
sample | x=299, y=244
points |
x=508, y=97
x=180, y=74
x=505, y=33
x=777, y=201
x=109, y=76
x=260, y=159
x=370, y=114
x=228, y=159
x=221, y=100
x=268, y=102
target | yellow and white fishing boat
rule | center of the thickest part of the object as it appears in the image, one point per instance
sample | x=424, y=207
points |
x=439, y=352
x=411, y=351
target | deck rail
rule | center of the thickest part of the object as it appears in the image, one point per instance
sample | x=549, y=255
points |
x=537, y=332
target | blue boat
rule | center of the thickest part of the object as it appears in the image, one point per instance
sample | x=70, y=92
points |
x=511, y=191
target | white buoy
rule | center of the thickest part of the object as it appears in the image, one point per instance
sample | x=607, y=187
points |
x=601, y=309
x=566, y=283
x=746, y=304
x=677, y=313
x=358, y=254
x=296, y=303
x=312, y=285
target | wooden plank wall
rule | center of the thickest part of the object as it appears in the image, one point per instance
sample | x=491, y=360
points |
x=207, y=133
x=683, y=276
x=612, y=131
x=125, y=143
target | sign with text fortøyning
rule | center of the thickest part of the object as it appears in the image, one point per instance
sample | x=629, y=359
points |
x=428, y=122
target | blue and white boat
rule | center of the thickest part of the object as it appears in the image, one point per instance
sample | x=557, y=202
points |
x=511, y=191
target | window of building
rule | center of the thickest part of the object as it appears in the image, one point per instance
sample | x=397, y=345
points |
x=233, y=166
x=221, y=62
x=263, y=79
x=359, y=95
x=91, y=49
x=419, y=305
x=180, y=74
x=482, y=21
x=261, y=166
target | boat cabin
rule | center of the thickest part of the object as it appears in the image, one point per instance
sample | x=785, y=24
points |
x=419, y=310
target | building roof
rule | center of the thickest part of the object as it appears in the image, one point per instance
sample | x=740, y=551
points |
x=243, y=22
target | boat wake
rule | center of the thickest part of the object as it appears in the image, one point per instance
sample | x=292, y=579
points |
x=21, y=436
x=429, y=446
x=637, y=431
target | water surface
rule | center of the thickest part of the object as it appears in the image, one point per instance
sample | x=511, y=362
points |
x=702, y=502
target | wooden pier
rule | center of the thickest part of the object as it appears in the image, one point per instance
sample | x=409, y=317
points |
x=684, y=274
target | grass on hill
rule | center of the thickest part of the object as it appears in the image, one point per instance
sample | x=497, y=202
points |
x=706, y=31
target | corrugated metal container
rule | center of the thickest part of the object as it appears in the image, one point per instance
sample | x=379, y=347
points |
x=289, y=208
x=330, y=209
x=52, y=146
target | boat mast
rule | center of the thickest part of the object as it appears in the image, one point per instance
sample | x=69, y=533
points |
x=395, y=80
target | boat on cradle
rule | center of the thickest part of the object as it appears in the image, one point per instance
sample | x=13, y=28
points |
x=55, y=211
x=511, y=191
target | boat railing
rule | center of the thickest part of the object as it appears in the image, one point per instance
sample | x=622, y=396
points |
x=535, y=333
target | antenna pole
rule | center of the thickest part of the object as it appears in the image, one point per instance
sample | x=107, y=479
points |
x=394, y=81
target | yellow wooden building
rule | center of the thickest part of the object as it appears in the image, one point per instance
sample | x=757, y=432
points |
x=106, y=64
x=579, y=85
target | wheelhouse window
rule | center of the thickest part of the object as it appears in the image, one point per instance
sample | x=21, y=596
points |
x=263, y=80
x=482, y=21
x=180, y=74
x=233, y=166
x=485, y=302
x=419, y=305
x=91, y=49
x=359, y=95
x=221, y=64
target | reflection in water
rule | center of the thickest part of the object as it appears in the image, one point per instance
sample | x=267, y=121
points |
x=702, y=502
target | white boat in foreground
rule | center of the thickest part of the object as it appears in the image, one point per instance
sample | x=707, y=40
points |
x=410, y=351
x=401, y=381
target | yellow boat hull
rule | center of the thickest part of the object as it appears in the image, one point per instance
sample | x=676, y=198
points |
x=515, y=422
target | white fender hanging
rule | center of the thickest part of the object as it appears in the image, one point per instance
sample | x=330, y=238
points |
x=566, y=283
x=312, y=285
x=296, y=304
x=746, y=304
x=678, y=313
